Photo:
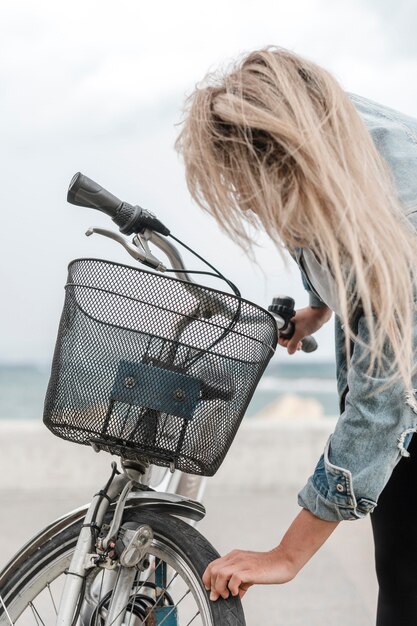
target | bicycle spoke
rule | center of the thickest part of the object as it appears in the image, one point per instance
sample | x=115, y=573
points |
x=171, y=581
x=175, y=606
x=143, y=622
x=52, y=599
x=6, y=611
x=36, y=614
x=147, y=578
x=193, y=618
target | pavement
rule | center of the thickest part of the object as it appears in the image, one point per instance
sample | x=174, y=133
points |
x=250, y=503
x=337, y=586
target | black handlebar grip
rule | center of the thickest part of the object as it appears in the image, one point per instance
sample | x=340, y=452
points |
x=130, y=219
x=283, y=307
x=85, y=192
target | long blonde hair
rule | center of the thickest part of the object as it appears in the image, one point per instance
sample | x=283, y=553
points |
x=278, y=135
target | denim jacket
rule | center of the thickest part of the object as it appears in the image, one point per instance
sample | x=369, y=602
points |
x=374, y=430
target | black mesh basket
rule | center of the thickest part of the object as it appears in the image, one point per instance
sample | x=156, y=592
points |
x=155, y=367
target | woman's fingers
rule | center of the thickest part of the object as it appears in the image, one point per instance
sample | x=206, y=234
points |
x=219, y=584
x=235, y=583
x=207, y=576
x=218, y=574
x=229, y=575
x=229, y=581
x=306, y=322
x=243, y=589
x=220, y=577
x=291, y=345
x=238, y=570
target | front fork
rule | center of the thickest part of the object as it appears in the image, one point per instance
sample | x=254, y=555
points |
x=133, y=556
x=76, y=575
x=120, y=575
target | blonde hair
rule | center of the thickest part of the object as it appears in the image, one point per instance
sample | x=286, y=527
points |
x=278, y=135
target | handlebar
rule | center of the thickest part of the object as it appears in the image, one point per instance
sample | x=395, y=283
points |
x=283, y=309
x=131, y=219
x=308, y=344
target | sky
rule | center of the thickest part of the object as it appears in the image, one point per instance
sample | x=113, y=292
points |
x=99, y=87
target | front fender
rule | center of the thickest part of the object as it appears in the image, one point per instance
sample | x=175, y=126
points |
x=171, y=503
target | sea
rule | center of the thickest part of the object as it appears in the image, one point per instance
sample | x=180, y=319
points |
x=23, y=387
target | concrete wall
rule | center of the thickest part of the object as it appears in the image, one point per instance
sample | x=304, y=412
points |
x=266, y=453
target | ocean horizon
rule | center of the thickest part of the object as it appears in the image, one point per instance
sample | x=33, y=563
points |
x=23, y=387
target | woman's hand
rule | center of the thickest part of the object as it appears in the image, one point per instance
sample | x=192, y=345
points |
x=238, y=570
x=307, y=321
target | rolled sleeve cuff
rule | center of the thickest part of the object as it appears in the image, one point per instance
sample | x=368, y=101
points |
x=329, y=494
x=312, y=500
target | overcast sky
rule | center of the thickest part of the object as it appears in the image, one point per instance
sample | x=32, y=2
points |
x=98, y=87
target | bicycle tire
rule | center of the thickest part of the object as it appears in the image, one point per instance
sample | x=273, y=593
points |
x=172, y=536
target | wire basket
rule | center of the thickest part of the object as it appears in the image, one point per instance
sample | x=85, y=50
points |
x=151, y=366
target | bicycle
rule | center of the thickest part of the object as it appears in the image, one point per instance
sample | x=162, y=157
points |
x=158, y=371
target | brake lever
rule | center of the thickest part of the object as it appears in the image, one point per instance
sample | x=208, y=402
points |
x=142, y=254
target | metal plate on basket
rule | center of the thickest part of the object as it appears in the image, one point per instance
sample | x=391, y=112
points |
x=155, y=387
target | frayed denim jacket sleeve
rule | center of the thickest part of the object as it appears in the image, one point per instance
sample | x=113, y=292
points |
x=370, y=437
x=376, y=424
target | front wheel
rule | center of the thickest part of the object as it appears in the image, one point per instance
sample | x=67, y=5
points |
x=169, y=591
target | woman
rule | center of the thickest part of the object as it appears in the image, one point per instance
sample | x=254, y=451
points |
x=276, y=143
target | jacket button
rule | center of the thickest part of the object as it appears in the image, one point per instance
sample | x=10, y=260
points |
x=340, y=487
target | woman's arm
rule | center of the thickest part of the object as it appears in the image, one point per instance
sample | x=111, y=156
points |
x=240, y=569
